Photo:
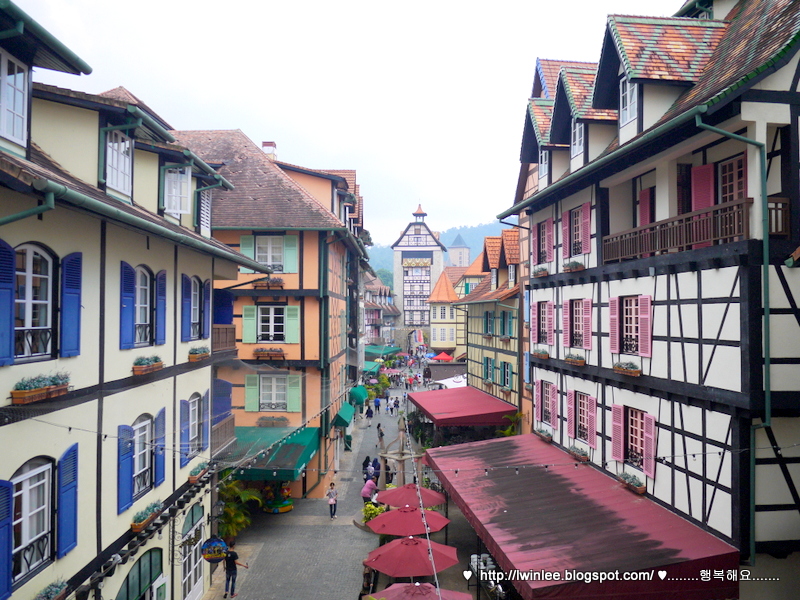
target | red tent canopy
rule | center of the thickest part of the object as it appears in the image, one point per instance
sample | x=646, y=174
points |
x=443, y=356
x=462, y=406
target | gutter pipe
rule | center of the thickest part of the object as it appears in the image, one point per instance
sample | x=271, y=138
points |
x=767, y=421
x=49, y=204
x=61, y=192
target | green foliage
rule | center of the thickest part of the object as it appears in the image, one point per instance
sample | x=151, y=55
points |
x=387, y=277
x=512, y=427
x=236, y=513
x=32, y=383
x=573, y=264
x=628, y=366
x=198, y=468
x=200, y=350
x=143, y=361
x=51, y=590
x=578, y=451
x=148, y=510
x=371, y=511
x=574, y=357
x=631, y=480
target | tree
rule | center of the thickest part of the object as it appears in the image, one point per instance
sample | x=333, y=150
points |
x=386, y=277
x=236, y=514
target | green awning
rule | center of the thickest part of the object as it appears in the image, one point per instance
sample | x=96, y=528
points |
x=287, y=461
x=381, y=350
x=371, y=367
x=359, y=394
x=345, y=415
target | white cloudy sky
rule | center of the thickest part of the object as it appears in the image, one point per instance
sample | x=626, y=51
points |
x=425, y=99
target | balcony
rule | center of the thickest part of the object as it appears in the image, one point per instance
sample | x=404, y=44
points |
x=720, y=224
x=222, y=434
x=223, y=337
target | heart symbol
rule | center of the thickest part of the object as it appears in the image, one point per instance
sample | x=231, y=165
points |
x=467, y=574
x=662, y=574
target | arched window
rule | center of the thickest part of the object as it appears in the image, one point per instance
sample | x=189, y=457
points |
x=142, y=455
x=143, y=313
x=33, y=516
x=33, y=310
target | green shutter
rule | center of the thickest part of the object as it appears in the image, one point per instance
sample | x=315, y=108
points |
x=292, y=324
x=249, y=320
x=290, y=253
x=503, y=323
x=247, y=246
x=293, y=394
x=251, y=394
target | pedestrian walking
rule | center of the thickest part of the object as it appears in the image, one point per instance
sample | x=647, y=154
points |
x=376, y=468
x=333, y=495
x=231, y=560
x=397, y=405
x=367, y=463
x=369, y=416
x=377, y=405
x=380, y=438
x=390, y=406
x=369, y=488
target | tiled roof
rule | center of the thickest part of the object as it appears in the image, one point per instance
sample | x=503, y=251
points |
x=476, y=268
x=264, y=196
x=665, y=49
x=483, y=292
x=547, y=76
x=578, y=85
x=480, y=290
x=510, y=239
x=443, y=290
x=540, y=112
x=349, y=175
x=491, y=249
x=123, y=95
x=419, y=212
x=455, y=273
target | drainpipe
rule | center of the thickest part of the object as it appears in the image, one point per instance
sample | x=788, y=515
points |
x=49, y=204
x=767, y=421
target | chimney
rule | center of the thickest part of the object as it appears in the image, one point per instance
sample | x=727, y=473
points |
x=270, y=149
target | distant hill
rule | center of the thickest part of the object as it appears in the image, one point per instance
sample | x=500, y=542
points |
x=381, y=257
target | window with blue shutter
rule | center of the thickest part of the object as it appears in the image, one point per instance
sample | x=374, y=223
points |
x=7, y=279
x=221, y=401
x=127, y=306
x=207, y=309
x=161, y=308
x=124, y=468
x=159, y=442
x=204, y=420
x=6, y=538
x=67, y=533
x=223, y=307
x=186, y=308
x=71, y=269
x=184, y=433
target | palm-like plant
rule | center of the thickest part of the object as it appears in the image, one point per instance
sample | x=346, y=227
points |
x=512, y=428
x=236, y=513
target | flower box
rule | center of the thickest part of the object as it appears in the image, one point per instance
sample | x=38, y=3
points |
x=573, y=269
x=542, y=273
x=578, y=362
x=139, y=527
x=269, y=354
x=196, y=478
x=267, y=285
x=578, y=456
x=640, y=489
x=198, y=357
x=626, y=371
x=28, y=396
x=144, y=369
x=505, y=338
x=53, y=391
x=540, y=355
x=546, y=437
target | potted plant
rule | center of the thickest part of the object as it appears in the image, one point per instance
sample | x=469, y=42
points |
x=269, y=282
x=58, y=384
x=30, y=389
x=575, y=359
x=627, y=368
x=540, y=353
x=578, y=453
x=573, y=266
x=632, y=482
x=199, y=353
x=146, y=364
x=147, y=515
x=544, y=435
x=197, y=472
x=273, y=353
x=540, y=272
x=53, y=591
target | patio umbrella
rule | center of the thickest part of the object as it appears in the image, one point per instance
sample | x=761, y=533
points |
x=443, y=356
x=408, y=557
x=373, y=381
x=407, y=520
x=419, y=591
x=403, y=354
x=407, y=495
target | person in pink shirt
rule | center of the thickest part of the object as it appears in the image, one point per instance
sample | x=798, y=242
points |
x=369, y=488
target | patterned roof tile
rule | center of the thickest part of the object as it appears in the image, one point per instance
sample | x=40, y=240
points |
x=578, y=85
x=546, y=79
x=455, y=273
x=443, y=290
x=475, y=269
x=510, y=239
x=491, y=248
x=541, y=113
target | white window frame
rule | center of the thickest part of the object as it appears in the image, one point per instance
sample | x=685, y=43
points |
x=507, y=371
x=34, y=476
x=452, y=337
x=142, y=455
x=119, y=161
x=576, y=144
x=273, y=392
x=178, y=191
x=628, y=101
x=204, y=213
x=271, y=324
x=544, y=164
x=582, y=416
x=194, y=425
x=143, y=303
x=196, y=307
x=14, y=100
x=634, y=437
x=512, y=275
x=27, y=303
x=192, y=561
x=547, y=416
x=269, y=252
x=630, y=322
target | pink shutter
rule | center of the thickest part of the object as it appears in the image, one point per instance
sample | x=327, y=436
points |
x=645, y=218
x=649, y=466
x=617, y=432
x=591, y=418
x=587, y=324
x=702, y=198
x=537, y=398
x=535, y=245
x=534, y=321
x=549, y=240
x=565, y=333
x=565, y=237
x=613, y=325
x=645, y=326
x=571, y=413
x=554, y=406
x=551, y=332
x=586, y=228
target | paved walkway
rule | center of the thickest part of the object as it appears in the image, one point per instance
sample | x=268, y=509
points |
x=304, y=554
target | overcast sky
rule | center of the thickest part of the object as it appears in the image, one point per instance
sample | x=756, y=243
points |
x=424, y=99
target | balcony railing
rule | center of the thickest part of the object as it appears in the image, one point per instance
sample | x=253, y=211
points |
x=222, y=434
x=722, y=223
x=223, y=337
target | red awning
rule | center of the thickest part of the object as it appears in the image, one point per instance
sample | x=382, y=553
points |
x=546, y=520
x=462, y=406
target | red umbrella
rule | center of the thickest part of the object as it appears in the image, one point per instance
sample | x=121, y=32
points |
x=402, y=354
x=443, y=356
x=408, y=557
x=407, y=521
x=407, y=495
x=419, y=591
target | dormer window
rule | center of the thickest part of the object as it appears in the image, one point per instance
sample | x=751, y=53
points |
x=512, y=275
x=544, y=164
x=119, y=161
x=177, y=191
x=14, y=99
x=576, y=147
x=628, y=101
